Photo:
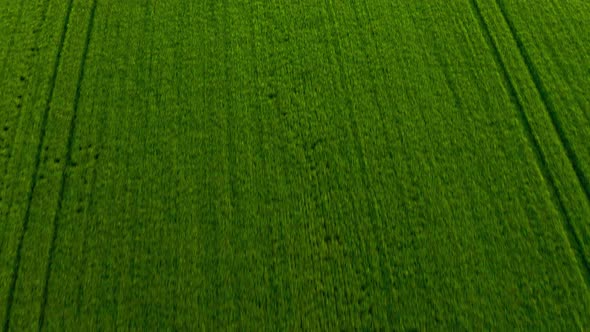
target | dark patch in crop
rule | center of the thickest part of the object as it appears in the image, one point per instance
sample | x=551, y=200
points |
x=317, y=142
x=364, y=287
x=272, y=95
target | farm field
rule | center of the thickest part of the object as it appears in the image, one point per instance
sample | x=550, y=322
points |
x=294, y=165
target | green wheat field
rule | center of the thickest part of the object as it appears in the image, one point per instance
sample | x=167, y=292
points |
x=250, y=165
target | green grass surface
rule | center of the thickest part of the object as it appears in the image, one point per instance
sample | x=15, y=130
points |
x=294, y=165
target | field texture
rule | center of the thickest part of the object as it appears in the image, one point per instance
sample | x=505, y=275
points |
x=294, y=165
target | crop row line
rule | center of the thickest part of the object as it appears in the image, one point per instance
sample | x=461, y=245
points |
x=37, y=164
x=3, y=77
x=574, y=240
x=68, y=161
x=35, y=175
x=534, y=74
